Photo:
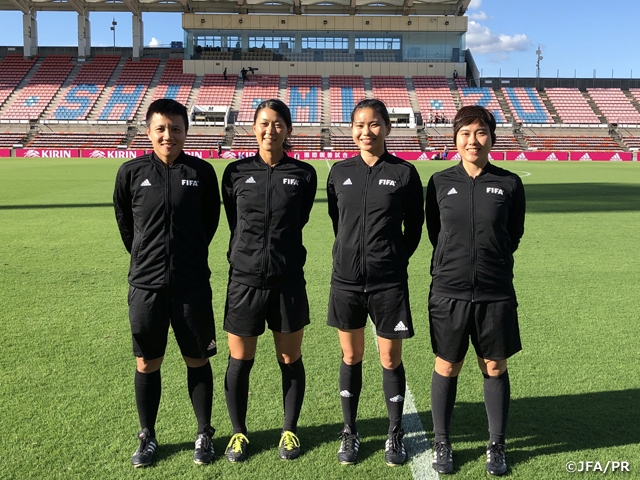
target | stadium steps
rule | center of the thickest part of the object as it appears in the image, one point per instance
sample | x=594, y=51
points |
x=413, y=100
x=106, y=91
x=237, y=99
x=632, y=99
x=282, y=89
x=63, y=90
x=615, y=135
x=195, y=91
x=325, y=137
x=368, y=90
x=132, y=131
x=504, y=105
x=455, y=93
x=520, y=138
x=422, y=139
x=25, y=81
x=594, y=107
x=229, y=133
x=326, y=106
x=549, y=106
x=148, y=96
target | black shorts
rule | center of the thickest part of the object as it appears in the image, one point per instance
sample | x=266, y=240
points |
x=389, y=310
x=285, y=308
x=189, y=312
x=492, y=327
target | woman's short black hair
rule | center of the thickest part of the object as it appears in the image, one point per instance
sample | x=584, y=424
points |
x=472, y=114
x=281, y=109
x=167, y=106
x=375, y=105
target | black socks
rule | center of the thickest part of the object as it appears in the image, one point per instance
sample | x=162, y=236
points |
x=293, y=388
x=497, y=392
x=148, y=387
x=200, y=383
x=394, y=387
x=443, y=398
x=236, y=392
x=350, y=388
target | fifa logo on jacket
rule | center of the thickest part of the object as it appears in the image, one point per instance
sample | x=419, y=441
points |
x=290, y=181
x=190, y=183
x=384, y=181
x=497, y=191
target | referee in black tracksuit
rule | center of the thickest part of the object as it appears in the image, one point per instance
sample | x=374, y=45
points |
x=268, y=199
x=375, y=202
x=475, y=218
x=167, y=206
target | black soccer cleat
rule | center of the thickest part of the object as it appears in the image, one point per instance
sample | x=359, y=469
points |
x=203, y=453
x=442, y=457
x=143, y=456
x=289, y=446
x=496, y=459
x=349, y=445
x=237, y=448
x=394, y=451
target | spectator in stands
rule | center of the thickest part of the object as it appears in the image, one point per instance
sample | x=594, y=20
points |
x=445, y=152
x=430, y=116
x=224, y=73
x=219, y=150
x=472, y=292
x=375, y=204
x=159, y=229
x=455, y=74
x=268, y=199
x=243, y=74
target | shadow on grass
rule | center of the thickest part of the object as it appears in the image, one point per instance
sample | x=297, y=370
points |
x=56, y=205
x=551, y=425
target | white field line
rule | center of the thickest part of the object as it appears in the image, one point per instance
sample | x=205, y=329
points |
x=415, y=438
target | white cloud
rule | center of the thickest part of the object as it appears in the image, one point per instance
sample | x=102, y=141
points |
x=481, y=39
x=155, y=42
x=478, y=16
x=475, y=4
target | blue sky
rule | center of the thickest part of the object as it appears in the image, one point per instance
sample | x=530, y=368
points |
x=575, y=36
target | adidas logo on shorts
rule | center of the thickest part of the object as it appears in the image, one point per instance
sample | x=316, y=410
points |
x=346, y=394
x=400, y=327
x=212, y=345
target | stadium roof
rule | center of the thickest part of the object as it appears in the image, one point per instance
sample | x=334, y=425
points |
x=299, y=7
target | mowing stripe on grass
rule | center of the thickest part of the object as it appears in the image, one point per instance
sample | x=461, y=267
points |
x=415, y=437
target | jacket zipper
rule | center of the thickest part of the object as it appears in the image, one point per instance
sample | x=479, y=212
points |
x=267, y=217
x=362, y=229
x=167, y=224
x=472, y=243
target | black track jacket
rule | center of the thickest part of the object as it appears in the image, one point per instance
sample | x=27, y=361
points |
x=368, y=207
x=267, y=207
x=167, y=216
x=474, y=225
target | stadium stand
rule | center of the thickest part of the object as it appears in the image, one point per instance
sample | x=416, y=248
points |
x=173, y=83
x=255, y=90
x=13, y=69
x=76, y=140
x=572, y=143
x=9, y=139
x=392, y=90
x=485, y=97
x=434, y=97
x=304, y=97
x=526, y=105
x=81, y=96
x=129, y=90
x=216, y=91
x=345, y=92
x=41, y=88
x=614, y=105
x=571, y=105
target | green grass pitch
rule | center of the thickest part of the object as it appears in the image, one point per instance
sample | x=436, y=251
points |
x=67, y=407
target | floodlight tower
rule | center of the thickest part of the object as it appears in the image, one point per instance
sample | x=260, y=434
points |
x=539, y=54
x=113, y=29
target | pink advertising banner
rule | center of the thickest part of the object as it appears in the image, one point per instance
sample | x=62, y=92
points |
x=342, y=155
x=5, y=152
x=47, y=153
x=543, y=156
x=103, y=153
x=199, y=153
x=602, y=156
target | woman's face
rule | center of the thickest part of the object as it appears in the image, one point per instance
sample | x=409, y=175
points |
x=473, y=142
x=270, y=130
x=369, y=131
